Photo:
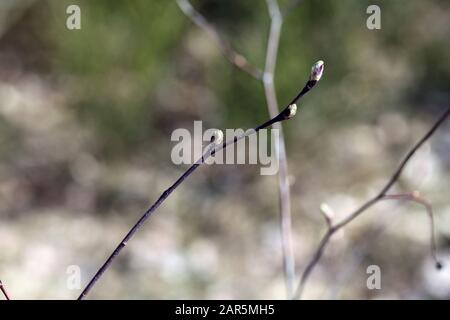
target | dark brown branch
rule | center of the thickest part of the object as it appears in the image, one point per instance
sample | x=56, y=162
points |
x=237, y=59
x=3, y=290
x=325, y=239
x=287, y=113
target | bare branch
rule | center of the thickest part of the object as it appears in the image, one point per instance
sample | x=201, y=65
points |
x=237, y=59
x=3, y=290
x=267, y=78
x=417, y=198
x=328, y=214
x=276, y=21
x=325, y=239
x=285, y=114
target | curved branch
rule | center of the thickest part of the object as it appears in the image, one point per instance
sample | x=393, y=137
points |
x=285, y=114
x=331, y=230
x=267, y=78
x=415, y=197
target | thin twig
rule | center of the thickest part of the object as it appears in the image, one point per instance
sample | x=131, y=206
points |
x=233, y=56
x=276, y=22
x=417, y=198
x=357, y=256
x=287, y=113
x=414, y=197
x=331, y=230
x=267, y=78
x=3, y=289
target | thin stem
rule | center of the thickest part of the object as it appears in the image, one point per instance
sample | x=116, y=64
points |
x=235, y=58
x=3, y=290
x=356, y=255
x=283, y=115
x=415, y=197
x=325, y=239
x=267, y=78
x=276, y=21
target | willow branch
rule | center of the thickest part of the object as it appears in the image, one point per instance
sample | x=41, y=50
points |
x=288, y=112
x=267, y=78
x=381, y=194
x=235, y=58
x=3, y=290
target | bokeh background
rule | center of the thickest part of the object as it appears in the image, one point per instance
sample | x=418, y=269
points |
x=85, y=124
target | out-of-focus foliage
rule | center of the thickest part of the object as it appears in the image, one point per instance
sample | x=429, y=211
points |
x=85, y=123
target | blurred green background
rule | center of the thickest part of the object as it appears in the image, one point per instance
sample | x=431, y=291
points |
x=85, y=123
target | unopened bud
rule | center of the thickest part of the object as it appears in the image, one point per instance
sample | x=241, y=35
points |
x=317, y=71
x=292, y=109
x=327, y=212
x=217, y=137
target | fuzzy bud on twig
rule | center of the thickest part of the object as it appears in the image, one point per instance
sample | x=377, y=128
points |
x=317, y=71
x=327, y=213
x=292, y=110
x=217, y=137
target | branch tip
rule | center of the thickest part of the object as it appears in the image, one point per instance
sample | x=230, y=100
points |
x=317, y=70
x=327, y=213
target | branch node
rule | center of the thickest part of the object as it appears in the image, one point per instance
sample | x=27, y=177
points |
x=267, y=78
x=327, y=213
x=292, y=110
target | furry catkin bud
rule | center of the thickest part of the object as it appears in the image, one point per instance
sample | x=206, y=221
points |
x=217, y=137
x=317, y=71
x=292, y=110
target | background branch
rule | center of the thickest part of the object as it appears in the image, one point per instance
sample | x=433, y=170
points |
x=417, y=198
x=267, y=78
x=380, y=196
x=276, y=21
